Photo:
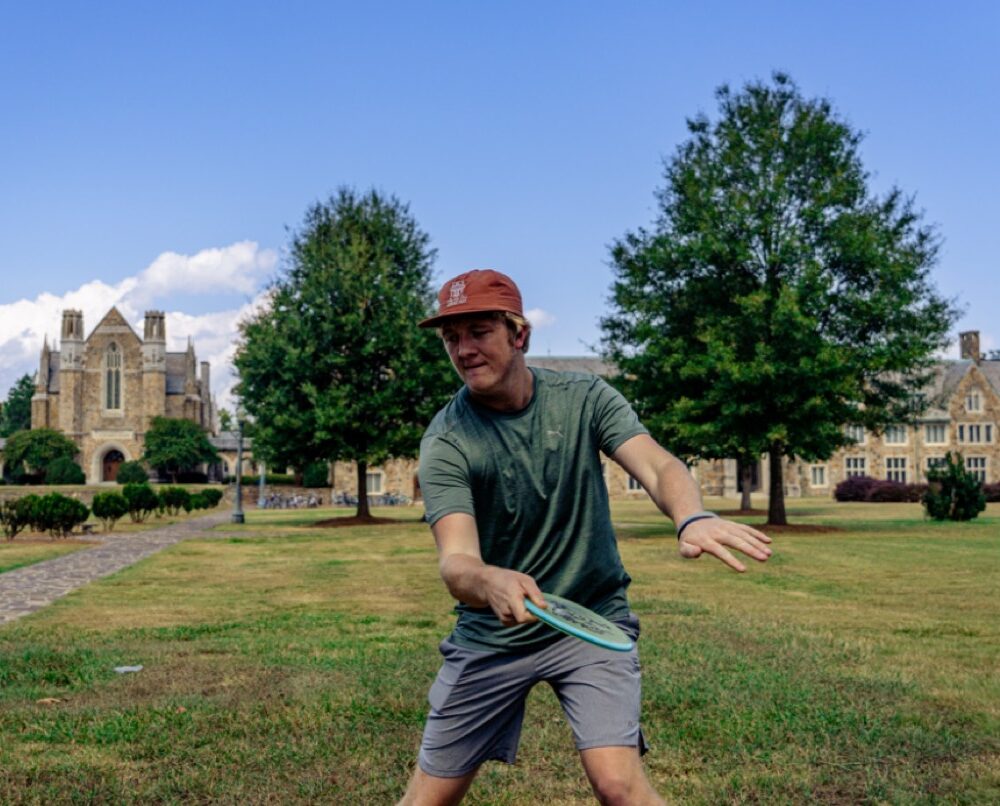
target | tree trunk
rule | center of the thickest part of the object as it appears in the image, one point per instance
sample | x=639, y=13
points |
x=363, y=511
x=776, y=499
x=746, y=482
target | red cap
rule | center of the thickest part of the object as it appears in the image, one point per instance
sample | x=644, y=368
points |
x=476, y=291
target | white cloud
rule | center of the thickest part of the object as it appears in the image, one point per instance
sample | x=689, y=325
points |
x=539, y=318
x=237, y=269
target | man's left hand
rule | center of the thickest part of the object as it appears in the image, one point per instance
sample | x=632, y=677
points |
x=717, y=536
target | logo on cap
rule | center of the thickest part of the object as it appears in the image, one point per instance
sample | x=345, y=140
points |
x=457, y=294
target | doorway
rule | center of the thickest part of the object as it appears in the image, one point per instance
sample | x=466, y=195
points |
x=112, y=461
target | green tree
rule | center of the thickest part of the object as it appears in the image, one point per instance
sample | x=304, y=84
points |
x=175, y=445
x=227, y=422
x=141, y=499
x=15, y=414
x=131, y=473
x=335, y=366
x=35, y=450
x=776, y=299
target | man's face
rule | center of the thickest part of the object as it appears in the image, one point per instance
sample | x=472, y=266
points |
x=482, y=350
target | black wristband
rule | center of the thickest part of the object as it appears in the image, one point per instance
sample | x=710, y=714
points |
x=698, y=516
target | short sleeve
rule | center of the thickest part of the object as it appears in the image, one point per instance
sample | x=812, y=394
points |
x=615, y=422
x=444, y=479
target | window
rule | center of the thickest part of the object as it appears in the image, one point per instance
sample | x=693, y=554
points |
x=855, y=466
x=113, y=378
x=373, y=482
x=633, y=485
x=935, y=433
x=817, y=476
x=976, y=465
x=973, y=402
x=895, y=468
x=975, y=433
x=855, y=433
x=895, y=435
x=934, y=461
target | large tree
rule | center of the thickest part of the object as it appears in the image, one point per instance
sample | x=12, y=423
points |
x=334, y=366
x=175, y=445
x=776, y=299
x=15, y=414
x=28, y=453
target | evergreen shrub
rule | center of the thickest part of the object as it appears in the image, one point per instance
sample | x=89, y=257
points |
x=953, y=493
x=316, y=474
x=109, y=508
x=132, y=473
x=63, y=470
x=59, y=514
x=142, y=500
x=16, y=515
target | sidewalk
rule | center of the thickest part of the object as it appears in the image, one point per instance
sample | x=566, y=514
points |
x=25, y=590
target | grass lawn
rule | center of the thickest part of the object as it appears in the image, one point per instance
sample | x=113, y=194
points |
x=288, y=664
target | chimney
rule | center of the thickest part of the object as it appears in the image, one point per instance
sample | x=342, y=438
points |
x=968, y=342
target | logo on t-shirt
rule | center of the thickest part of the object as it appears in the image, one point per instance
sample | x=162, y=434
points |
x=457, y=294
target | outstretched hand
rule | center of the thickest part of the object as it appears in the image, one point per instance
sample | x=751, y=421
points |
x=716, y=536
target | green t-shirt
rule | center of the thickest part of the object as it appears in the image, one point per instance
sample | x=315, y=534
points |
x=534, y=482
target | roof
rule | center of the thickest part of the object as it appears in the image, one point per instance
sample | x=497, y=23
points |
x=592, y=364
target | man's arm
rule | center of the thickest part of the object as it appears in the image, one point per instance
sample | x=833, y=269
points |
x=475, y=583
x=676, y=493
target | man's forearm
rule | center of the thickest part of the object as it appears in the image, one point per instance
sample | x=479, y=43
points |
x=676, y=492
x=465, y=577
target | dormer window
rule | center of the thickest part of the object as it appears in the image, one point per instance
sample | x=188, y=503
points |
x=973, y=402
x=113, y=378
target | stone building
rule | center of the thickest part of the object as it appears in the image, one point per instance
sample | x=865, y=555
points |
x=103, y=390
x=962, y=414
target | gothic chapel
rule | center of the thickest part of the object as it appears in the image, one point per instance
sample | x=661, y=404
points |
x=103, y=391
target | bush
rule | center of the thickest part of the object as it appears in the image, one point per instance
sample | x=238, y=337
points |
x=192, y=477
x=992, y=492
x=16, y=515
x=213, y=495
x=316, y=474
x=108, y=508
x=132, y=473
x=64, y=470
x=198, y=501
x=141, y=501
x=855, y=488
x=174, y=499
x=269, y=478
x=59, y=514
x=953, y=493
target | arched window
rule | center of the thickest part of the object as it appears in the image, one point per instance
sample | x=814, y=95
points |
x=113, y=378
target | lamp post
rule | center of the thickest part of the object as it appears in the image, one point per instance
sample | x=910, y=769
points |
x=238, y=505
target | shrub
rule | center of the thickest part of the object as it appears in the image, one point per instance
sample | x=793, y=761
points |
x=883, y=491
x=63, y=470
x=198, y=501
x=213, y=496
x=16, y=515
x=108, y=508
x=175, y=499
x=141, y=501
x=132, y=473
x=316, y=474
x=953, y=493
x=31, y=502
x=855, y=488
x=992, y=492
x=269, y=478
x=59, y=514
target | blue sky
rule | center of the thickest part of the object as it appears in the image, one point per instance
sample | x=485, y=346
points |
x=154, y=155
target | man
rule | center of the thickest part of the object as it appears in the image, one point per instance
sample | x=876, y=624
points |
x=511, y=476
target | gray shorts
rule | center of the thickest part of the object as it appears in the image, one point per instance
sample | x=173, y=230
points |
x=477, y=700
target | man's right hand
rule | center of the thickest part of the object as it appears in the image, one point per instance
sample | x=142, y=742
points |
x=506, y=591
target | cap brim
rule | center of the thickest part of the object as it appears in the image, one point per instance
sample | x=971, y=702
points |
x=435, y=321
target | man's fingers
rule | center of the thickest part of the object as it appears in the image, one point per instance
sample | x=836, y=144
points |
x=723, y=554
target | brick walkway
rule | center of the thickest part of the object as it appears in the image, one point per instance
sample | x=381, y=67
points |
x=25, y=590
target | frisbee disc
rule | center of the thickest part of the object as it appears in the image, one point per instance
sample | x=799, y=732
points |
x=580, y=622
